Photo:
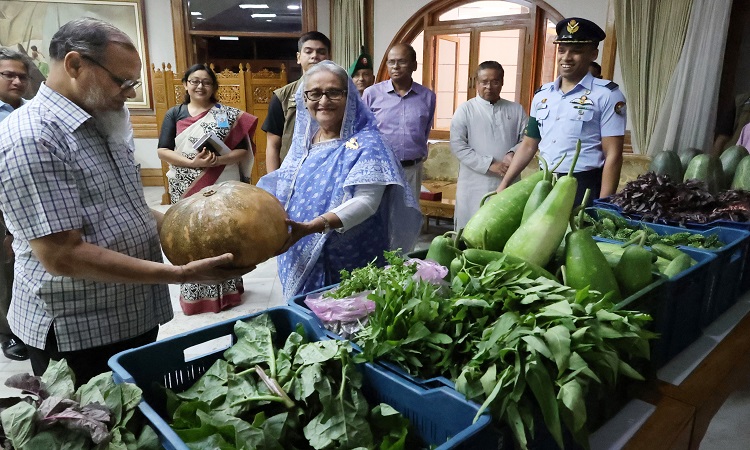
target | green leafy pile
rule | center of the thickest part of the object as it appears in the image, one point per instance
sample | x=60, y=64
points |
x=524, y=347
x=371, y=276
x=304, y=395
x=99, y=415
x=613, y=226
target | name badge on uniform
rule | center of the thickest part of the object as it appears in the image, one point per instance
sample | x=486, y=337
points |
x=222, y=121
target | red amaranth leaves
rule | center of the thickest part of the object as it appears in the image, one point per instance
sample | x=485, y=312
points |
x=656, y=198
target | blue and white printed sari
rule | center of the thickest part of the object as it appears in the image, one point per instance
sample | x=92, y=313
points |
x=314, y=179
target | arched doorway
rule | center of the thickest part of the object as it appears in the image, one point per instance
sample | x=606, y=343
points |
x=452, y=37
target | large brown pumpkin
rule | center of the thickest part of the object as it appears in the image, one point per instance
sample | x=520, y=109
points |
x=230, y=217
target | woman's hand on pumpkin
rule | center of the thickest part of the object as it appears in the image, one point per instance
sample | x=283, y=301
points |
x=211, y=270
x=297, y=230
x=205, y=158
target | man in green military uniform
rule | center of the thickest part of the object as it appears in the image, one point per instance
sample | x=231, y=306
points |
x=361, y=71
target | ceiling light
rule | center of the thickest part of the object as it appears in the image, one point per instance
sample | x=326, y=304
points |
x=195, y=13
x=269, y=20
x=261, y=16
x=295, y=7
x=229, y=38
x=254, y=6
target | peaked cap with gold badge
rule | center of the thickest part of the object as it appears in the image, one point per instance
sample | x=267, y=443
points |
x=574, y=30
x=364, y=61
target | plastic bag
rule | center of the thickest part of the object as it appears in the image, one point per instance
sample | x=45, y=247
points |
x=429, y=271
x=343, y=316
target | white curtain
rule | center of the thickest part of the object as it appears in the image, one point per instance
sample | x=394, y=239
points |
x=688, y=113
x=347, y=30
x=650, y=35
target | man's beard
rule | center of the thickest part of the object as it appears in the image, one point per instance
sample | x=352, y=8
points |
x=115, y=125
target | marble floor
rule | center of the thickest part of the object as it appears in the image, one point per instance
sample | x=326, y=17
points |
x=728, y=429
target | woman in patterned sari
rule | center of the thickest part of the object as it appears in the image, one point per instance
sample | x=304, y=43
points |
x=343, y=189
x=191, y=170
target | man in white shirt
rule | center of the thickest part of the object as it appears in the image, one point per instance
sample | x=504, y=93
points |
x=483, y=132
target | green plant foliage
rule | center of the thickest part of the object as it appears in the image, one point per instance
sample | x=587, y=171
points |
x=527, y=348
x=100, y=415
x=304, y=395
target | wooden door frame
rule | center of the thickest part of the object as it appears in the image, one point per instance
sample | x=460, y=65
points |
x=429, y=58
x=436, y=61
x=183, y=37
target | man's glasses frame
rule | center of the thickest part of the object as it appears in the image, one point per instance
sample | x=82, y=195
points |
x=122, y=82
x=10, y=76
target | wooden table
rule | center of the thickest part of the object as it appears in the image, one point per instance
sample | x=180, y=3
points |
x=442, y=209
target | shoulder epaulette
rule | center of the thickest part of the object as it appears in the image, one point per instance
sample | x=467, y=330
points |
x=611, y=86
x=543, y=87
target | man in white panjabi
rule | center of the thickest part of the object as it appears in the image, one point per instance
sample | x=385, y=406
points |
x=483, y=132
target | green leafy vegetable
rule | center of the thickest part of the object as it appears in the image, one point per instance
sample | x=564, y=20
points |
x=527, y=349
x=98, y=415
x=303, y=395
x=610, y=225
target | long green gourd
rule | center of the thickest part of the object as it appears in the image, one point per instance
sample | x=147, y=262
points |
x=540, y=192
x=500, y=215
x=538, y=238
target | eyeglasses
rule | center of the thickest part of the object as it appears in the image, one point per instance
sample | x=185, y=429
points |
x=397, y=62
x=122, y=82
x=493, y=83
x=10, y=76
x=205, y=83
x=332, y=94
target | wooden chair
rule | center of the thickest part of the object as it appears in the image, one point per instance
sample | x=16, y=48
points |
x=244, y=89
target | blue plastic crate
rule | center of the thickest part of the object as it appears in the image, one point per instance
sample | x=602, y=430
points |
x=651, y=300
x=675, y=306
x=440, y=415
x=730, y=270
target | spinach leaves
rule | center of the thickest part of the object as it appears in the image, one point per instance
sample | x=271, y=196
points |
x=99, y=415
x=304, y=395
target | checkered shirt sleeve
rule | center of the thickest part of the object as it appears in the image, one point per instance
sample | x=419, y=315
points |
x=59, y=173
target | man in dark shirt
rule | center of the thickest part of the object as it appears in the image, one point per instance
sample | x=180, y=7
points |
x=313, y=47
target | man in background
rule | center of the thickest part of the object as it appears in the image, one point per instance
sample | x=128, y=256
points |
x=14, y=81
x=595, y=70
x=729, y=123
x=312, y=48
x=483, y=132
x=404, y=110
x=361, y=71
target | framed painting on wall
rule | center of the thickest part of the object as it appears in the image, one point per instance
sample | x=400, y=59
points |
x=27, y=26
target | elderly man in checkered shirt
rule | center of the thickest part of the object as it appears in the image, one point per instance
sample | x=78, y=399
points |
x=89, y=276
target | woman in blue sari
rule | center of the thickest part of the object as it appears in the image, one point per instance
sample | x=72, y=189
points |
x=341, y=186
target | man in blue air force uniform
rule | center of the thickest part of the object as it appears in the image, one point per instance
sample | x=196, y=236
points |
x=576, y=106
